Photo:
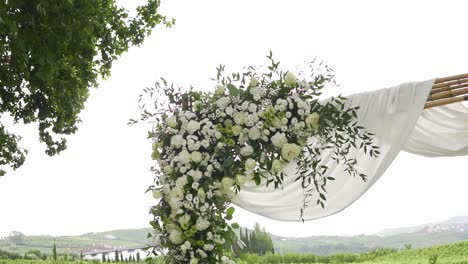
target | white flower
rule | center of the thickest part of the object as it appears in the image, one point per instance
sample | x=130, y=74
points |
x=290, y=151
x=289, y=79
x=239, y=118
x=236, y=130
x=195, y=185
x=168, y=169
x=175, y=236
x=255, y=133
x=241, y=179
x=222, y=102
x=192, y=126
x=196, y=156
x=177, y=141
x=208, y=247
x=220, y=89
x=202, y=224
x=181, y=181
x=229, y=110
x=252, y=108
x=227, y=183
x=193, y=261
x=184, y=157
x=249, y=120
x=253, y=83
x=224, y=259
x=250, y=165
x=184, y=221
x=277, y=165
x=279, y=139
x=171, y=121
x=246, y=151
x=201, y=194
x=157, y=194
x=312, y=120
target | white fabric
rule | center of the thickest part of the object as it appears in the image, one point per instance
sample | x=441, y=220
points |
x=396, y=117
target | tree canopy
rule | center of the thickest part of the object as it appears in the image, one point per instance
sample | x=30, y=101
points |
x=51, y=53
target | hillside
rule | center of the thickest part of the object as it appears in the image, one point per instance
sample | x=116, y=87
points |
x=445, y=232
x=451, y=231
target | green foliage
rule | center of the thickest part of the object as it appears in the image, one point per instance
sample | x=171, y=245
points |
x=51, y=53
x=256, y=241
x=54, y=253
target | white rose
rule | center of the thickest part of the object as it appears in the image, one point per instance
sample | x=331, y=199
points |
x=289, y=79
x=227, y=183
x=277, y=166
x=202, y=224
x=175, y=236
x=220, y=89
x=157, y=194
x=196, y=156
x=177, y=141
x=279, y=139
x=184, y=157
x=192, y=126
x=171, y=121
x=312, y=120
x=246, y=151
x=222, y=102
x=241, y=179
x=290, y=151
x=254, y=133
x=250, y=165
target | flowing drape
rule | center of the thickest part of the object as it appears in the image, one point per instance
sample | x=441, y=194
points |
x=397, y=118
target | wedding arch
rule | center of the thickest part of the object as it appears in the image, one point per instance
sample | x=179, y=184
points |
x=266, y=141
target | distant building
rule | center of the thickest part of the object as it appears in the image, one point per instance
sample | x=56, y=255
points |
x=110, y=253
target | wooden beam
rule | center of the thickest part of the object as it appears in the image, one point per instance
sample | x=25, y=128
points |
x=446, y=101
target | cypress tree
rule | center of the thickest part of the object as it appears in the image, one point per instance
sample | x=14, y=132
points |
x=54, y=253
x=138, y=256
x=81, y=255
x=116, y=256
x=103, y=257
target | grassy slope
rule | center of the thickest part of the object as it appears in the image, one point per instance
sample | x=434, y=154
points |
x=456, y=253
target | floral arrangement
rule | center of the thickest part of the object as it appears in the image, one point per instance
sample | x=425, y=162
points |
x=208, y=145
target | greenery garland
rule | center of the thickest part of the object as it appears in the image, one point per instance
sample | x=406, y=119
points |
x=208, y=145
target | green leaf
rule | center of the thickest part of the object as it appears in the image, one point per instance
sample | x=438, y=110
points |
x=227, y=163
x=235, y=225
x=233, y=89
x=230, y=210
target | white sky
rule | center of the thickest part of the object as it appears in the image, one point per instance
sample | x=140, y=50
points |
x=98, y=183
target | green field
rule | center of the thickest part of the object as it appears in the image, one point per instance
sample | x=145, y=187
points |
x=456, y=253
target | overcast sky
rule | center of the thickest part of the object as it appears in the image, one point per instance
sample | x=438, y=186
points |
x=98, y=183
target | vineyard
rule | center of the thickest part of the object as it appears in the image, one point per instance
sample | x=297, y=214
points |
x=447, y=254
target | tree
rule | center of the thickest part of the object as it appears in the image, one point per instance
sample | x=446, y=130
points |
x=16, y=238
x=116, y=256
x=256, y=241
x=54, y=253
x=51, y=54
x=138, y=258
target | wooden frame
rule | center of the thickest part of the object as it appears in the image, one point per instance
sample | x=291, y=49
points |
x=448, y=90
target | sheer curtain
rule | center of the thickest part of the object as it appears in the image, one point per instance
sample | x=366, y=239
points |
x=397, y=118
